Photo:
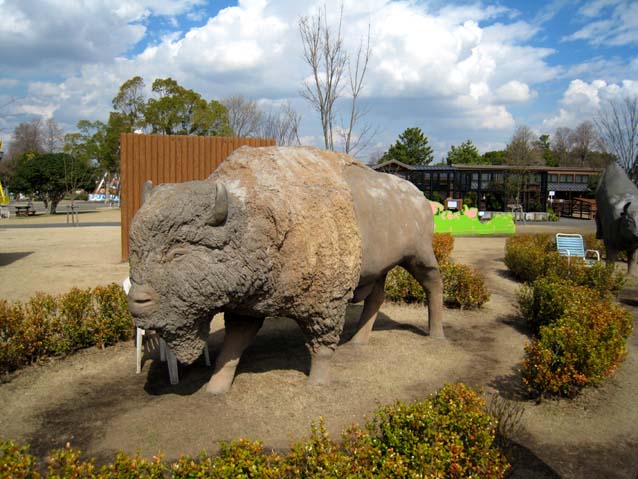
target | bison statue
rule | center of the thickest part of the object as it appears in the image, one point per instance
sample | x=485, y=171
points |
x=294, y=232
x=616, y=214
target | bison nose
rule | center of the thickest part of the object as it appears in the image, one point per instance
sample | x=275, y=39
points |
x=142, y=299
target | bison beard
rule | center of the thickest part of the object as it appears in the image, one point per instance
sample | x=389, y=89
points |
x=294, y=232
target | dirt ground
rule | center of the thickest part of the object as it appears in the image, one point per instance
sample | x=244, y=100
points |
x=95, y=400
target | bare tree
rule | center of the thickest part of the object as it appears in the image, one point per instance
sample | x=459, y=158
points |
x=53, y=136
x=283, y=126
x=521, y=151
x=27, y=137
x=353, y=142
x=323, y=51
x=583, y=140
x=617, y=124
x=561, y=144
x=244, y=116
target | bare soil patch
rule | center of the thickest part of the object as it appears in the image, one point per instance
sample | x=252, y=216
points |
x=95, y=400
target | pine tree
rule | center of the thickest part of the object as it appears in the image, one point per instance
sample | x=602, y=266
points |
x=411, y=148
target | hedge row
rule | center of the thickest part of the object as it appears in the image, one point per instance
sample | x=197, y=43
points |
x=48, y=325
x=580, y=333
x=463, y=286
x=532, y=256
x=450, y=434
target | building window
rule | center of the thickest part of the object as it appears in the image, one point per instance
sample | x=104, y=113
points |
x=582, y=178
x=485, y=180
x=566, y=179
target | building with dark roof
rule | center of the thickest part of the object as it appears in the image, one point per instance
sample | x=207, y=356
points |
x=496, y=187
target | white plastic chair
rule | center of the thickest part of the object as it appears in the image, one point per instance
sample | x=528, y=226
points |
x=166, y=355
x=573, y=246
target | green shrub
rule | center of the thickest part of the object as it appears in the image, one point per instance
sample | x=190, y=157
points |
x=48, y=325
x=463, y=286
x=582, y=347
x=532, y=256
x=546, y=300
x=401, y=287
x=526, y=255
x=442, y=244
x=447, y=435
x=15, y=461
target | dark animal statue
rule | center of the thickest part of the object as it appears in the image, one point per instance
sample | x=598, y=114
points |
x=292, y=232
x=616, y=215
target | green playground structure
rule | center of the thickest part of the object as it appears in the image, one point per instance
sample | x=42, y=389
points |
x=468, y=222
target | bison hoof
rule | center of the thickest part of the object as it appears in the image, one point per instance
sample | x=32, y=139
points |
x=217, y=389
x=437, y=335
x=319, y=379
x=359, y=341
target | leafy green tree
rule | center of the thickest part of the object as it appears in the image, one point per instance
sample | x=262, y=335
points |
x=130, y=104
x=466, y=154
x=496, y=157
x=544, y=145
x=179, y=111
x=50, y=175
x=411, y=148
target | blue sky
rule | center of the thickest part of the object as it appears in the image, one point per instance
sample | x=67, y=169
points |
x=457, y=70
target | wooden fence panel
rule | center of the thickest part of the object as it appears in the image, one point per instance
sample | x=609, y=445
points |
x=168, y=159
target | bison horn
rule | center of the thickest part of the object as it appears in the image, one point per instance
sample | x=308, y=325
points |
x=146, y=190
x=625, y=208
x=220, y=211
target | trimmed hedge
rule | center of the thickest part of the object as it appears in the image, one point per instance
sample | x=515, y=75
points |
x=48, y=325
x=450, y=434
x=546, y=300
x=582, y=347
x=526, y=255
x=442, y=244
x=532, y=256
x=463, y=286
x=580, y=334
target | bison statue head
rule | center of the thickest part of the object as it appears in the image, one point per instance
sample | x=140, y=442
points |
x=180, y=267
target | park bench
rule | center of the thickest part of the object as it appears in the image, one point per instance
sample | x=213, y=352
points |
x=573, y=246
x=27, y=210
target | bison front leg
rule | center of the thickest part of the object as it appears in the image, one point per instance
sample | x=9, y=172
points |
x=426, y=271
x=611, y=253
x=240, y=331
x=322, y=337
x=631, y=262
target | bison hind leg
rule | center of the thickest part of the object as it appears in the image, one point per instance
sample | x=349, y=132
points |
x=425, y=270
x=372, y=304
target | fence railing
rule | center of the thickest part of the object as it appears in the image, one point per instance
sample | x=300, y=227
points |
x=581, y=208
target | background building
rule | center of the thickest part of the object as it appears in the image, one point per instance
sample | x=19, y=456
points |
x=567, y=190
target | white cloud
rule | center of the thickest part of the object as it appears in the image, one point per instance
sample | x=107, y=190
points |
x=514, y=92
x=618, y=27
x=52, y=36
x=582, y=100
x=464, y=74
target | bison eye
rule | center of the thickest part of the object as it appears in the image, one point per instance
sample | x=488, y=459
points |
x=176, y=253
